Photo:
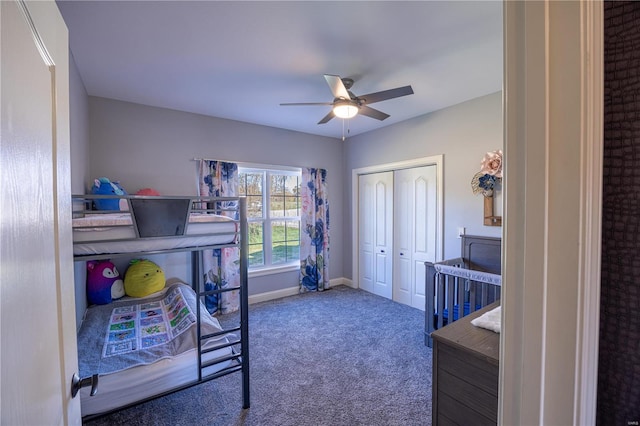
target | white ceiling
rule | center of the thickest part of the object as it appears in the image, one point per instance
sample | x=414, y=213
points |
x=239, y=60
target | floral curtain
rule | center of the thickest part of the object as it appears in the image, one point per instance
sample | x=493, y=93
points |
x=314, y=231
x=221, y=266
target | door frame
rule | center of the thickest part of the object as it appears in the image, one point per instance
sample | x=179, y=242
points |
x=553, y=123
x=434, y=160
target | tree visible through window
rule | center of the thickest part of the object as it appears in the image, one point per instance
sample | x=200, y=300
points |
x=273, y=204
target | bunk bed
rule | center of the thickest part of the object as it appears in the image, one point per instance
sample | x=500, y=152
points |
x=458, y=287
x=117, y=375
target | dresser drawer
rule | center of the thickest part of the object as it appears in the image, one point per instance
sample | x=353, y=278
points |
x=465, y=374
x=477, y=372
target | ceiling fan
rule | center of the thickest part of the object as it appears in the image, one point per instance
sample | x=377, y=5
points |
x=347, y=105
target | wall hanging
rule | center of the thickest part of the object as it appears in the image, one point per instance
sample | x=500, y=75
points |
x=486, y=182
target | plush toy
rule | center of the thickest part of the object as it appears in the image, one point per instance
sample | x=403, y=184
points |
x=148, y=191
x=142, y=278
x=103, y=186
x=103, y=282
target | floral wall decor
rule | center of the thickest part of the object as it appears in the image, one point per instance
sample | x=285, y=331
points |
x=486, y=181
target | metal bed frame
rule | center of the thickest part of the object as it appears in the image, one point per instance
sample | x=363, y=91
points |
x=241, y=356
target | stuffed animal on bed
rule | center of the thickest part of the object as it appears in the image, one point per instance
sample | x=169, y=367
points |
x=148, y=191
x=143, y=277
x=103, y=282
x=103, y=186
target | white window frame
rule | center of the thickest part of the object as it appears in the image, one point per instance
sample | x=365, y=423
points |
x=267, y=170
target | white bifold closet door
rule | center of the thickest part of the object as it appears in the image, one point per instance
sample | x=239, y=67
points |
x=375, y=221
x=414, y=232
x=397, y=232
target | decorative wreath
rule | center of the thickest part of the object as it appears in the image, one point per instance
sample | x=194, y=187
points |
x=490, y=174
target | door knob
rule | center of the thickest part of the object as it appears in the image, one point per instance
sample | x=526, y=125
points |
x=77, y=383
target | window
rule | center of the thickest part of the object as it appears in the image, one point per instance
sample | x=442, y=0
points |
x=273, y=212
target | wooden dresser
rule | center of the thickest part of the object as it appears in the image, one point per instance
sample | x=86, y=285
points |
x=465, y=373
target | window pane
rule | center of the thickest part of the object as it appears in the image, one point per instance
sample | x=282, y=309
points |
x=293, y=196
x=293, y=240
x=276, y=206
x=293, y=231
x=278, y=242
x=291, y=207
x=285, y=241
x=277, y=184
x=252, y=184
x=256, y=244
x=242, y=183
x=254, y=206
x=278, y=198
x=256, y=256
x=292, y=185
x=278, y=233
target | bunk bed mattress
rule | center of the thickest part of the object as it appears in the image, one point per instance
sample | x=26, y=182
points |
x=129, y=376
x=114, y=233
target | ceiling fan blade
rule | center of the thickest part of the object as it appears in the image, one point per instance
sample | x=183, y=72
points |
x=373, y=113
x=386, y=94
x=306, y=103
x=327, y=117
x=337, y=86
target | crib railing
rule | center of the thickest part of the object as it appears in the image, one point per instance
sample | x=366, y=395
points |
x=453, y=291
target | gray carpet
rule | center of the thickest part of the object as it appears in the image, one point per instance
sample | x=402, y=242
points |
x=340, y=357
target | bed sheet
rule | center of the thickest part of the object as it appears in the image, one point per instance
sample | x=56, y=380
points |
x=128, y=377
x=114, y=233
x=135, y=384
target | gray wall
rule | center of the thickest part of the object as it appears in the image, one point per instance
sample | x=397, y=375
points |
x=463, y=133
x=79, y=124
x=144, y=146
x=79, y=134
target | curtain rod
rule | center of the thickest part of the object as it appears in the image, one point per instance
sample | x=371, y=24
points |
x=250, y=165
x=212, y=159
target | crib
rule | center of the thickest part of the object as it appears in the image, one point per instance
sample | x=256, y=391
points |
x=457, y=287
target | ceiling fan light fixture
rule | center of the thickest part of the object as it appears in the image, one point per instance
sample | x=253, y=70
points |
x=346, y=109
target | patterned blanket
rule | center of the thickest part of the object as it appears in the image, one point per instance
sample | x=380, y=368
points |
x=127, y=333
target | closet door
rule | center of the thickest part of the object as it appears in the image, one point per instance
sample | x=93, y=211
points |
x=414, y=232
x=376, y=233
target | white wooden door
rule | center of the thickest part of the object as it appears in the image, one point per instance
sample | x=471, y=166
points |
x=376, y=233
x=38, y=340
x=415, y=232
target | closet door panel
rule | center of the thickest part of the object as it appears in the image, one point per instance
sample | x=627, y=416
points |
x=403, y=216
x=415, y=232
x=425, y=231
x=376, y=233
x=366, y=235
x=383, y=284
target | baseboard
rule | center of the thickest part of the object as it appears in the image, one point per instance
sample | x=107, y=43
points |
x=291, y=291
x=271, y=295
x=342, y=281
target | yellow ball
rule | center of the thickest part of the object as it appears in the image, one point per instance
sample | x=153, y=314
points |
x=143, y=277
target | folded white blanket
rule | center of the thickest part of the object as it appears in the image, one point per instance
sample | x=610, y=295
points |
x=489, y=320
